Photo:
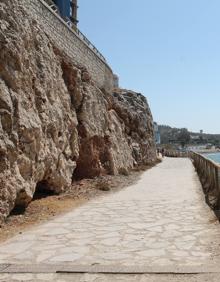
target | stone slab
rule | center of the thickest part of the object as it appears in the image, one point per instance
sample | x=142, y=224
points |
x=3, y=266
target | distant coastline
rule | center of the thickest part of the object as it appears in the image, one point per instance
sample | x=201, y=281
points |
x=207, y=151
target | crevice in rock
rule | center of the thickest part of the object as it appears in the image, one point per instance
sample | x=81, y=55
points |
x=94, y=158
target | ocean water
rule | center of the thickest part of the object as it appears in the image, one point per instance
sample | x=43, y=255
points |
x=214, y=157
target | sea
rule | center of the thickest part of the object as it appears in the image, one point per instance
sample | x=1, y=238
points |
x=214, y=157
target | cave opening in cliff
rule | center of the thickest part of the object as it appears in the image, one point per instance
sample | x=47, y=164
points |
x=43, y=190
x=18, y=210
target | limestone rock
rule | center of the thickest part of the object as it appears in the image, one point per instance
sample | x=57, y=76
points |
x=55, y=123
x=135, y=112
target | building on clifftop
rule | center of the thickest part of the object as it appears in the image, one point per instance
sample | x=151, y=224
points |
x=67, y=9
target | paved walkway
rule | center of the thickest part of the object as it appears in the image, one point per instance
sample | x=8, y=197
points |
x=159, y=224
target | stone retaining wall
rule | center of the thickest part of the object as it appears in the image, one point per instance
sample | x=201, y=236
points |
x=70, y=42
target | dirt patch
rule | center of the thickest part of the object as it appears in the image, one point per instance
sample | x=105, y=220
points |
x=42, y=209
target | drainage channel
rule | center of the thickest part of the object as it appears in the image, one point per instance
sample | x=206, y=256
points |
x=107, y=269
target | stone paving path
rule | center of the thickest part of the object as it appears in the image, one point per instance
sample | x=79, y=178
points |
x=162, y=221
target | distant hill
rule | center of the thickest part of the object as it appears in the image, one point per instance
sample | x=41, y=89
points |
x=170, y=135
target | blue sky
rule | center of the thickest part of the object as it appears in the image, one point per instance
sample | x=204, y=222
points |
x=167, y=49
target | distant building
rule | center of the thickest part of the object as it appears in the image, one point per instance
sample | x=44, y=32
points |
x=201, y=131
x=156, y=133
x=194, y=137
x=67, y=9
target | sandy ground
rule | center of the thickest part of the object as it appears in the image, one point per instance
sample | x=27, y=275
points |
x=45, y=208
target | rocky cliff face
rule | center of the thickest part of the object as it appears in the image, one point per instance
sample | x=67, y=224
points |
x=56, y=125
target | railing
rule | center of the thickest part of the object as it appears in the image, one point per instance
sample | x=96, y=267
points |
x=176, y=154
x=89, y=44
x=209, y=174
x=74, y=29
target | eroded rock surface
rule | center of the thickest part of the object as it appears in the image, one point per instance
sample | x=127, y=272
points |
x=56, y=124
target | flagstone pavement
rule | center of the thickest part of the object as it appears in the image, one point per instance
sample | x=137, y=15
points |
x=160, y=222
